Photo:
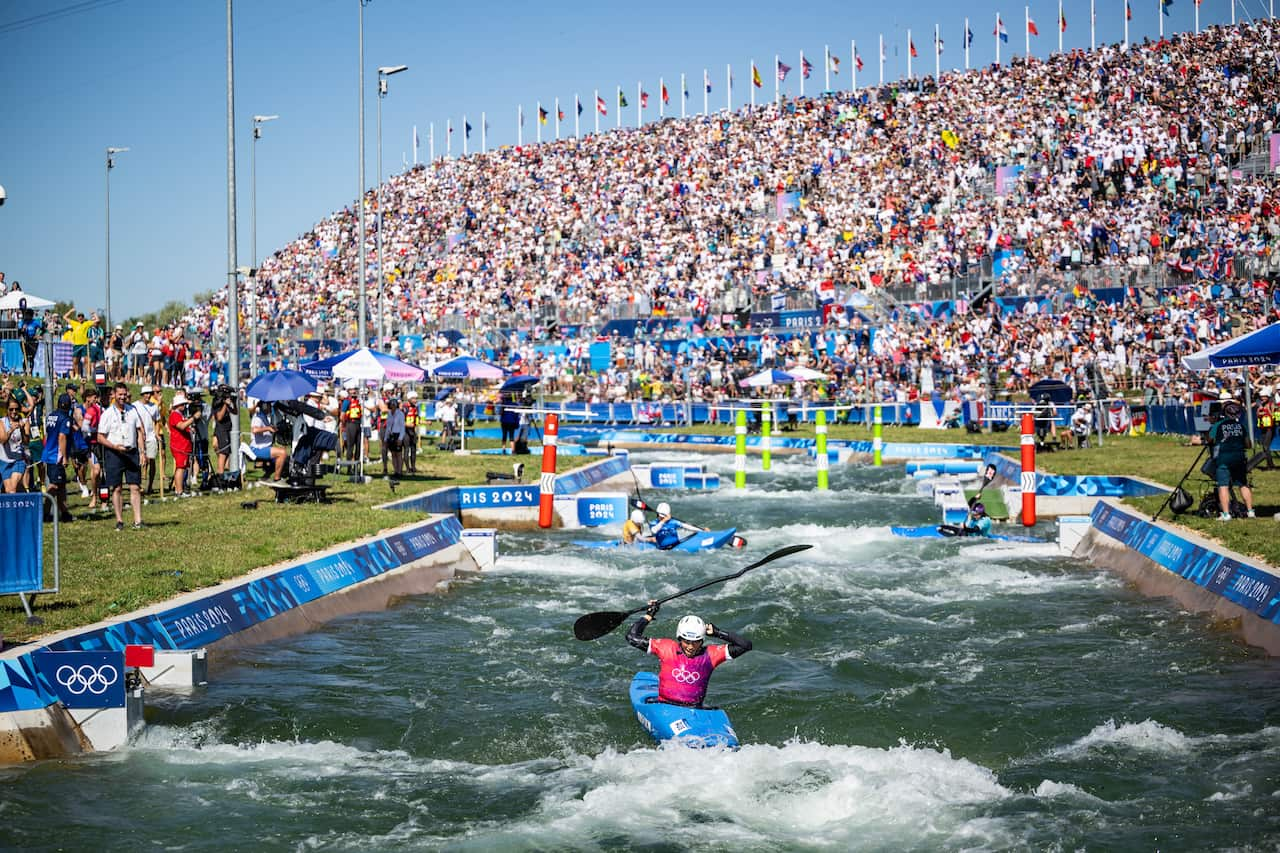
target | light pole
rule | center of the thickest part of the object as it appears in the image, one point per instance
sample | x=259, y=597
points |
x=362, y=332
x=111, y=152
x=258, y=121
x=384, y=72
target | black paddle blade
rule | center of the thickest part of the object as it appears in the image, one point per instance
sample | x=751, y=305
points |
x=596, y=625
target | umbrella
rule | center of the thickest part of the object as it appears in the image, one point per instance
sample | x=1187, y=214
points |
x=466, y=367
x=364, y=364
x=806, y=374
x=277, y=385
x=13, y=301
x=766, y=378
x=519, y=382
x=1261, y=346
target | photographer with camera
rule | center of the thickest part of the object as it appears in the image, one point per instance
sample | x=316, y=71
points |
x=263, y=445
x=199, y=439
x=180, y=440
x=1228, y=463
x=30, y=332
x=224, y=409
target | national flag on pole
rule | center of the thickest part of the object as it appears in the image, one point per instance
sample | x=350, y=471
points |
x=466, y=128
x=666, y=99
x=835, y=64
x=706, y=79
x=968, y=36
x=1128, y=11
x=577, y=102
x=941, y=44
x=1164, y=6
x=622, y=99
x=560, y=113
x=783, y=71
x=755, y=77
x=600, y=106
x=1062, y=21
x=806, y=67
x=1001, y=31
x=911, y=46
x=542, y=115
x=857, y=62
x=1031, y=27
x=644, y=100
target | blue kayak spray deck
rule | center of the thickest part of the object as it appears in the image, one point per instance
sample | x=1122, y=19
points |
x=697, y=727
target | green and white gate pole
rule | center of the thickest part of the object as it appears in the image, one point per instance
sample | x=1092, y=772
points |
x=765, y=443
x=740, y=451
x=821, y=430
x=877, y=443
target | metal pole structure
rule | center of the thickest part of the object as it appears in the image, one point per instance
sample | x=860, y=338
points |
x=384, y=72
x=740, y=450
x=233, y=287
x=258, y=121
x=362, y=333
x=766, y=442
x=820, y=452
x=111, y=151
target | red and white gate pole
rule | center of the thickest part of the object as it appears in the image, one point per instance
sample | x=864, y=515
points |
x=547, y=484
x=1029, y=469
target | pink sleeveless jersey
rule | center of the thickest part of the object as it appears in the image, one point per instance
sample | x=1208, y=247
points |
x=684, y=679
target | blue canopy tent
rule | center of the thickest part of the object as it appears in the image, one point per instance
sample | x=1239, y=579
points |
x=1259, y=347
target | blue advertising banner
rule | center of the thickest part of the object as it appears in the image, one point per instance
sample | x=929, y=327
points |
x=786, y=320
x=598, y=511
x=84, y=679
x=22, y=533
x=488, y=497
x=1251, y=587
x=666, y=478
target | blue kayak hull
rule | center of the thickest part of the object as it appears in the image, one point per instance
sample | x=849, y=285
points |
x=932, y=532
x=708, y=541
x=697, y=727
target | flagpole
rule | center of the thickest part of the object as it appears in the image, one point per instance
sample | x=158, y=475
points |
x=910, y=44
x=1160, y=15
x=662, y=87
x=802, y=73
x=484, y=133
x=684, y=94
x=448, y=139
x=1026, y=29
x=1093, y=25
x=577, y=114
x=1197, y=5
x=464, y=134
x=1060, y=30
x=1126, y=21
x=639, y=102
x=937, y=53
x=966, y=44
x=595, y=110
x=728, y=88
x=431, y=142
x=706, y=92
x=882, y=59
x=617, y=118
x=537, y=122
x=997, y=38
x=415, y=145
x=519, y=124
x=853, y=63
x=557, y=118
x=826, y=68
x=777, y=80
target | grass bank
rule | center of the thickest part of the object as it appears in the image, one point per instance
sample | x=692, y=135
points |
x=197, y=542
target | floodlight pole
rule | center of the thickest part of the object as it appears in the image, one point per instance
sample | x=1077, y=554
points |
x=111, y=151
x=258, y=121
x=233, y=282
x=384, y=72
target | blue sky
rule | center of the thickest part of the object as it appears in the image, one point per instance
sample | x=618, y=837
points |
x=151, y=75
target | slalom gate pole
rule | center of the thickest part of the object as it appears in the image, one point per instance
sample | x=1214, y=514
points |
x=821, y=430
x=1028, y=469
x=547, y=483
x=740, y=451
x=766, y=458
x=877, y=441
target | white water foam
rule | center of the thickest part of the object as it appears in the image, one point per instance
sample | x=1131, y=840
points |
x=1147, y=736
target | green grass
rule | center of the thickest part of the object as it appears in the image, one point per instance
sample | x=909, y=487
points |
x=193, y=543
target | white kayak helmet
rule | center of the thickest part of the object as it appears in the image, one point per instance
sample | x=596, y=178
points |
x=691, y=628
x=664, y=508
x=637, y=516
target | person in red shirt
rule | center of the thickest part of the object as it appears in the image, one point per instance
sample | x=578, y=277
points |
x=687, y=662
x=180, y=443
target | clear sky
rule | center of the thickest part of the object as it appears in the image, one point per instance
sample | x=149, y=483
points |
x=77, y=76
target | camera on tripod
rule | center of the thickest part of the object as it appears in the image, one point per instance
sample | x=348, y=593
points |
x=224, y=393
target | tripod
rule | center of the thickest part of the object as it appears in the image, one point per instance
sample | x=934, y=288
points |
x=1180, y=482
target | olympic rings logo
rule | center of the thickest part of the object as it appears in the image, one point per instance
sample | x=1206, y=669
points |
x=86, y=677
x=686, y=676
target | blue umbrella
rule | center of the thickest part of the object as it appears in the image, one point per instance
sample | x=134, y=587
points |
x=519, y=382
x=275, y=385
x=1259, y=347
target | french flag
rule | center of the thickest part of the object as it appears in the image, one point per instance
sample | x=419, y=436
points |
x=1000, y=30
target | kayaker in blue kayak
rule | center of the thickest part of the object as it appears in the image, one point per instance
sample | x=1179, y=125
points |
x=633, y=529
x=977, y=524
x=687, y=662
x=665, y=531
